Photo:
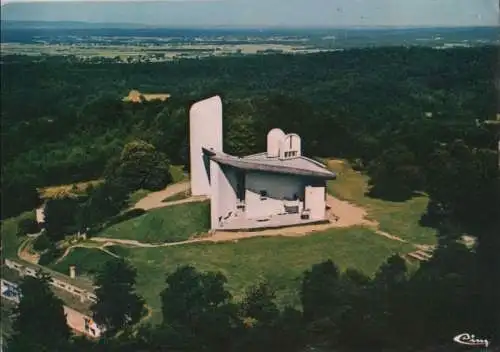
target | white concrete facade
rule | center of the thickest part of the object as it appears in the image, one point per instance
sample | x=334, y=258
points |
x=40, y=214
x=267, y=194
x=205, y=130
x=279, y=187
x=315, y=202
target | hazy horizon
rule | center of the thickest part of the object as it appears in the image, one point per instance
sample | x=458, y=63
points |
x=261, y=13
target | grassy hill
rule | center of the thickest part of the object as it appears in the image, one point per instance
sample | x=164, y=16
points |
x=170, y=224
x=397, y=218
x=280, y=261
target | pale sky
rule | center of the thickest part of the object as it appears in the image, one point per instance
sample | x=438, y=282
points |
x=261, y=12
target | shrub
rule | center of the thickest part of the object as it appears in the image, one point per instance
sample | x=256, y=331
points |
x=50, y=255
x=42, y=243
x=27, y=226
x=62, y=217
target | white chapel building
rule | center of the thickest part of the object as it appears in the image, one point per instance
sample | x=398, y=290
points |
x=277, y=188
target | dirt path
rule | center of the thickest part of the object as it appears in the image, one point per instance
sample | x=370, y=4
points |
x=155, y=199
x=134, y=243
x=23, y=253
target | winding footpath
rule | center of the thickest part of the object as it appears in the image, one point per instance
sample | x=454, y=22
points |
x=346, y=215
x=155, y=200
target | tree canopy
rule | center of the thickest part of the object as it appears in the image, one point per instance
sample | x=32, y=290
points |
x=39, y=319
x=118, y=305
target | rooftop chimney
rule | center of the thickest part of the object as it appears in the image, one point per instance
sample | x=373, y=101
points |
x=72, y=271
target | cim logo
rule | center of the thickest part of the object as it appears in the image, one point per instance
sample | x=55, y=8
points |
x=470, y=340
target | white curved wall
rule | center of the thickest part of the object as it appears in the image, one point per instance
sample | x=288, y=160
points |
x=205, y=130
x=274, y=138
x=315, y=202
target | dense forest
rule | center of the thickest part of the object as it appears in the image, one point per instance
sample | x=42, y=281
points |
x=408, y=117
x=63, y=120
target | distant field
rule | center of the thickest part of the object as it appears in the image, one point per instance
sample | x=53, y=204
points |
x=162, y=52
x=170, y=224
x=176, y=171
x=65, y=190
x=397, y=218
x=279, y=260
x=136, y=97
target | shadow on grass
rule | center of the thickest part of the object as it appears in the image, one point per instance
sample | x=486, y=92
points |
x=391, y=194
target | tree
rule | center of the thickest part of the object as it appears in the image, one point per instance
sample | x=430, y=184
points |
x=268, y=329
x=39, y=319
x=392, y=274
x=27, y=226
x=395, y=174
x=198, y=305
x=17, y=194
x=140, y=165
x=259, y=304
x=105, y=200
x=463, y=184
x=321, y=301
x=389, y=304
x=61, y=216
x=118, y=305
x=355, y=323
x=319, y=290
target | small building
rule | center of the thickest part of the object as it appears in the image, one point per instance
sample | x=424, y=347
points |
x=276, y=188
x=76, y=320
x=40, y=214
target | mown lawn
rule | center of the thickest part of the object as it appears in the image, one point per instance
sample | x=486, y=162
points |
x=170, y=224
x=88, y=261
x=280, y=261
x=397, y=218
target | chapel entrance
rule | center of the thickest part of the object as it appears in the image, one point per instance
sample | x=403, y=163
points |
x=240, y=186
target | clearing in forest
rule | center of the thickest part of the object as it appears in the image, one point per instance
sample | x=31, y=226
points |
x=67, y=190
x=399, y=219
x=134, y=96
